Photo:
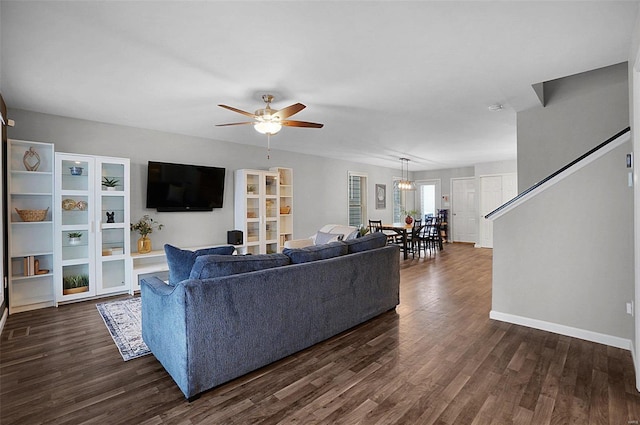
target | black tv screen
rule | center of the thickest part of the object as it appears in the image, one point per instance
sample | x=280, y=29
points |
x=182, y=187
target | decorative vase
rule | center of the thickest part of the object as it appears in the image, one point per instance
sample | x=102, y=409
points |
x=144, y=245
x=75, y=171
x=408, y=220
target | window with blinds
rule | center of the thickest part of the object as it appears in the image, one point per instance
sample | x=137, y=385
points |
x=357, y=199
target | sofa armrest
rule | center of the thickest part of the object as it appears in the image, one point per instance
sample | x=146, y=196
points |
x=157, y=286
x=164, y=327
x=298, y=243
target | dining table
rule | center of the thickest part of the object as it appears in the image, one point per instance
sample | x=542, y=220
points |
x=402, y=230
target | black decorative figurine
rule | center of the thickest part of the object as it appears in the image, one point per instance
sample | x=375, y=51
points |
x=110, y=216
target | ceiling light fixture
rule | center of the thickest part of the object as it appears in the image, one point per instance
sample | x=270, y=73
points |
x=496, y=107
x=266, y=121
x=267, y=127
x=405, y=183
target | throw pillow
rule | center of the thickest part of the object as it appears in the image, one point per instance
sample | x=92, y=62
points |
x=181, y=260
x=352, y=235
x=211, y=266
x=367, y=242
x=324, y=238
x=315, y=252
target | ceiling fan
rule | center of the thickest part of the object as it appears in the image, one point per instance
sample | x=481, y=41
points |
x=269, y=121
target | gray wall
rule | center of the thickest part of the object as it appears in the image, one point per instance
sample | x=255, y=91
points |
x=445, y=177
x=581, y=112
x=320, y=184
x=566, y=256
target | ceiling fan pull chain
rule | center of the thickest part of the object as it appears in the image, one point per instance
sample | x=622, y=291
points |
x=268, y=145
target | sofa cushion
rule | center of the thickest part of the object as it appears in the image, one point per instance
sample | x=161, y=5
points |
x=212, y=266
x=367, y=242
x=181, y=260
x=315, y=252
x=324, y=238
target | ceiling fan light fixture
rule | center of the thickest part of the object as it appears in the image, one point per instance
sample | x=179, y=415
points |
x=267, y=127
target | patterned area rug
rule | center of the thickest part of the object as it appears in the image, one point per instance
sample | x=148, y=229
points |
x=123, y=319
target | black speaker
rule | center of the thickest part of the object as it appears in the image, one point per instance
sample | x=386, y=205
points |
x=234, y=237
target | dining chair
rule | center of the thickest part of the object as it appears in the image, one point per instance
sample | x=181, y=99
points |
x=412, y=237
x=375, y=226
x=434, y=235
x=417, y=238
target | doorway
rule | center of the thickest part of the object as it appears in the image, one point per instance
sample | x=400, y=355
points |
x=429, y=198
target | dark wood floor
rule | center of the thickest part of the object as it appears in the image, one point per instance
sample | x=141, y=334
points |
x=437, y=359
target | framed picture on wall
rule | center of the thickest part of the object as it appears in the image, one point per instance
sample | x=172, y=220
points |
x=381, y=196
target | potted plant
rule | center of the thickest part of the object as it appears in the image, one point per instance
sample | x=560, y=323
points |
x=110, y=184
x=409, y=215
x=144, y=227
x=74, y=238
x=250, y=189
x=75, y=284
x=363, y=230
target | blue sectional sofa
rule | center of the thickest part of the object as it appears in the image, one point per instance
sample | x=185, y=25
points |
x=226, y=320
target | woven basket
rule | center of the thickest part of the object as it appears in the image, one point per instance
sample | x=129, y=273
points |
x=32, y=215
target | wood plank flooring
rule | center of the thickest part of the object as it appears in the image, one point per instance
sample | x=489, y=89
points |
x=438, y=359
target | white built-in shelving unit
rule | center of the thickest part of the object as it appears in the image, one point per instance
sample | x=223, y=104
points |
x=285, y=195
x=30, y=241
x=100, y=215
x=257, y=209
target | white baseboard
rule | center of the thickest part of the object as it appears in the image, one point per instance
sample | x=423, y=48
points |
x=3, y=319
x=599, y=338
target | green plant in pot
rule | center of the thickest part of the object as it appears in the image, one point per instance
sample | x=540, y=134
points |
x=110, y=184
x=75, y=283
x=74, y=238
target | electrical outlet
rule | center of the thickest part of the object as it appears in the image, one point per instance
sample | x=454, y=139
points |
x=630, y=308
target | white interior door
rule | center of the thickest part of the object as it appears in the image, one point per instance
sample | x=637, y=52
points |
x=464, y=210
x=490, y=199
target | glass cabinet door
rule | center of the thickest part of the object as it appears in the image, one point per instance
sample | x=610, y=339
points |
x=271, y=209
x=74, y=234
x=112, y=232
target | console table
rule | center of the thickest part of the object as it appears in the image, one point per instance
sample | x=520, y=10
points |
x=154, y=263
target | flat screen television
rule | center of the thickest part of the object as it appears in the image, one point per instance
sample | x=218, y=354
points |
x=183, y=187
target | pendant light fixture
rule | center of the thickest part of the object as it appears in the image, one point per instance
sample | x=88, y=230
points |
x=405, y=183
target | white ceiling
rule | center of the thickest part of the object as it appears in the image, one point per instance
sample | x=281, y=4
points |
x=387, y=78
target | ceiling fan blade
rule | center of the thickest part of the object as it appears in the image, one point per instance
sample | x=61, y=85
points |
x=231, y=108
x=234, y=123
x=288, y=111
x=290, y=123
